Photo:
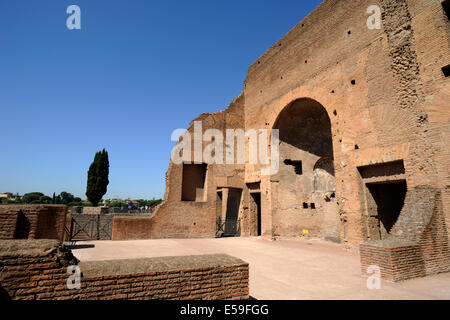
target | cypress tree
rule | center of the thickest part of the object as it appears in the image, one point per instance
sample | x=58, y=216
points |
x=97, y=181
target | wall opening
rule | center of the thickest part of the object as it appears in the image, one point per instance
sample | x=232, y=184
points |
x=389, y=199
x=446, y=71
x=219, y=204
x=306, y=173
x=232, y=222
x=193, y=184
x=446, y=6
x=256, y=208
x=296, y=164
x=384, y=191
x=22, y=227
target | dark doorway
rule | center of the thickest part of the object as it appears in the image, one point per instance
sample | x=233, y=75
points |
x=257, y=202
x=219, y=204
x=389, y=198
x=232, y=223
x=233, y=203
x=22, y=227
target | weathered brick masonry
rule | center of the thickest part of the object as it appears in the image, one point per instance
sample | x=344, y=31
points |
x=418, y=243
x=38, y=270
x=32, y=221
x=364, y=122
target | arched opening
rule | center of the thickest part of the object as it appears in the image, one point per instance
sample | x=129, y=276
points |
x=306, y=174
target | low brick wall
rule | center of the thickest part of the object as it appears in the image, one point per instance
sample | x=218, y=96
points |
x=8, y=222
x=93, y=210
x=38, y=270
x=418, y=244
x=397, y=262
x=32, y=221
x=132, y=228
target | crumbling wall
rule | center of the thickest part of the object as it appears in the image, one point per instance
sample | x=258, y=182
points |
x=387, y=100
x=8, y=222
x=32, y=221
x=379, y=90
x=418, y=243
x=38, y=270
x=431, y=36
x=133, y=228
x=418, y=84
x=303, y=196
x=197, y=219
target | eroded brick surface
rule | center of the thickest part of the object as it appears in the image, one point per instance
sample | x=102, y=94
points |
x=38, y=270
x=347, y=100
x=32, y=221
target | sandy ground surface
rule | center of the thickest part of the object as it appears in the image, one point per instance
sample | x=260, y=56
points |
x=284, y=269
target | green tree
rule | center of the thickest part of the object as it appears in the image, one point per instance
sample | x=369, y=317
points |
x=150, y=203
x=97, y=181
x=45, y=200
x=32, y=197
x=66, y=197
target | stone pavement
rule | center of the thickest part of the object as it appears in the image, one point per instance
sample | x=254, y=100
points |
x=283, y=269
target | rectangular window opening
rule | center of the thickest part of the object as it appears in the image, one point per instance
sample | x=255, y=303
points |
x=193, y=184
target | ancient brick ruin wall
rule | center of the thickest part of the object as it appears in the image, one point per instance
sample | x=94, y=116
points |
x=379, y=117
x=418, y=243
x=431, y=41
x=397, y=262
x=38, y=270
x=197, y=219
x=387, y=100
x=93, y=210
x=133, y=228
x=32, y=221
x=8, y=222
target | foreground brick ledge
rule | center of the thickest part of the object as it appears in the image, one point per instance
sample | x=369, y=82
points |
x=159, y=264
x=37, y=269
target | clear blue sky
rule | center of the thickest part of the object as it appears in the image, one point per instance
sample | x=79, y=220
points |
x=136, y=71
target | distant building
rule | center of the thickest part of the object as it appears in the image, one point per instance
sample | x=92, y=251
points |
x=10, y=196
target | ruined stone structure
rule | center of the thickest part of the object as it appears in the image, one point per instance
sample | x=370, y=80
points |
x=32, y=221
x=38, y=270
x=363, y=119
x=364, y=124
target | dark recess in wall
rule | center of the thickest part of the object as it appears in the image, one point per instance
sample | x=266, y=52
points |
x=446, y=6
x=446, y=70
x=296, y=164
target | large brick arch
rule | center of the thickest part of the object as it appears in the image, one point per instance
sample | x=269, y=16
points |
x=298, y=206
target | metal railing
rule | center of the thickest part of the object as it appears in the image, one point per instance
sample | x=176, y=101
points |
x=228, y=227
